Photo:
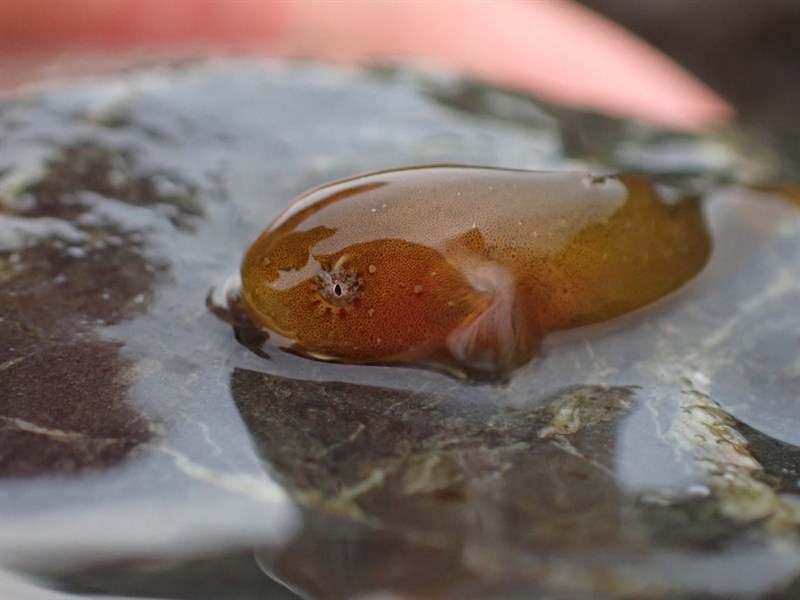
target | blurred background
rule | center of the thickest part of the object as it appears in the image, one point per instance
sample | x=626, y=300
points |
x=562, y=50
x=749, y=52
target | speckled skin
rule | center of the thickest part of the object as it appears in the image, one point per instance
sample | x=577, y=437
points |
x=463, y=268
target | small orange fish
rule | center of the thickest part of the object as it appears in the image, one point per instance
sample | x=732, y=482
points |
x=464, y=269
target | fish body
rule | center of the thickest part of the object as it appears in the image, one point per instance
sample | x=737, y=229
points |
x=464, y=268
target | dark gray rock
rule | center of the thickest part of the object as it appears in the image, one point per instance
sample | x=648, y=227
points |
x=146, y=452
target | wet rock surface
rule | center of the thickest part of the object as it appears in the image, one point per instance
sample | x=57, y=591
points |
x=145, y=452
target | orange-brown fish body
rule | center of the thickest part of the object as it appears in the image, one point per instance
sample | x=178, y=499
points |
x=463, y=268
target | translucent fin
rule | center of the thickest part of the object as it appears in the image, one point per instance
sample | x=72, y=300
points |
x=494, y=338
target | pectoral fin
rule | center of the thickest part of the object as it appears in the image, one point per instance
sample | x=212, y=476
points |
x=495, y=338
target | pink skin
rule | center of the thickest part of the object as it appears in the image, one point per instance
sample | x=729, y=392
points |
x=551, y=48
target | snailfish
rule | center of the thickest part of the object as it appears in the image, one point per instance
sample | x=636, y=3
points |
x=464, y=269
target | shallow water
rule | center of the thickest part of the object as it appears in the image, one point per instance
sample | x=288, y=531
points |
x=145, y=452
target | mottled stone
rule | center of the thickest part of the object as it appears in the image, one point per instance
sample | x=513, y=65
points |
x=530, y=494
x=147, y=451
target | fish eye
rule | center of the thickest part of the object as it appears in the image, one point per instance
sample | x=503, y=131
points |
x=339, y=286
